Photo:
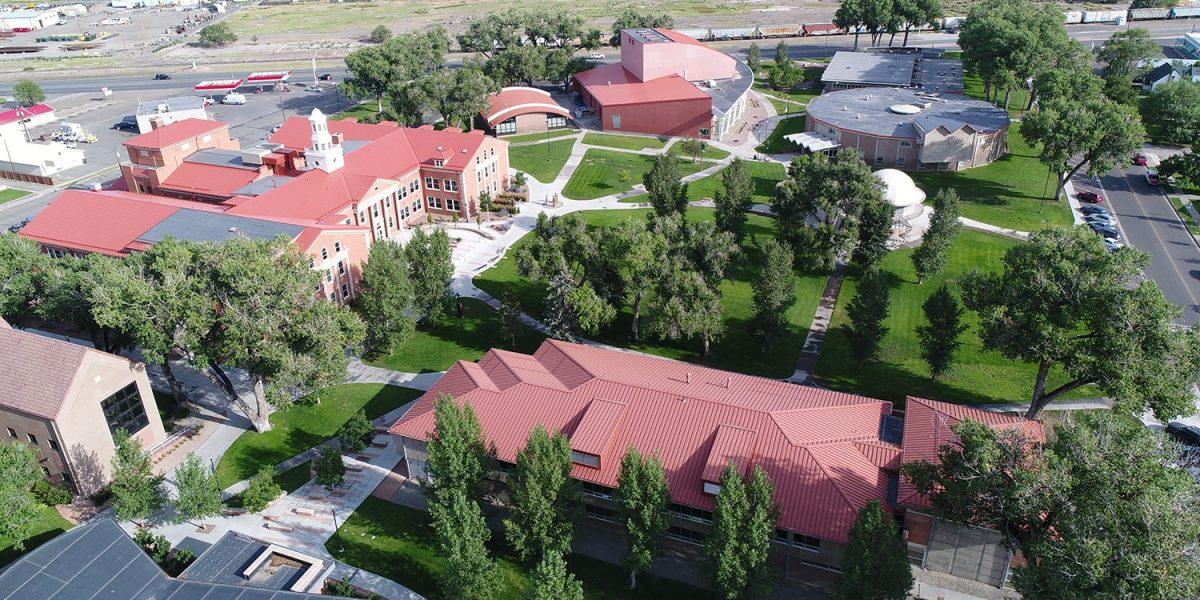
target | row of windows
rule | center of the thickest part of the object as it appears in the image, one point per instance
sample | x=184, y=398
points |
x=449, y=203
x=450, y=185
x=797, y=540
x=12, y=433
x=691, y=513
x=601, y=513
x=508, y=126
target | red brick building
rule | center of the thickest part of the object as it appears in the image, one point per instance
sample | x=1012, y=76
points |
x=518, y=110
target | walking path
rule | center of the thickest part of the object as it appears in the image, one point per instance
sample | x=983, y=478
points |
x=811, y=351
x=1063, y=405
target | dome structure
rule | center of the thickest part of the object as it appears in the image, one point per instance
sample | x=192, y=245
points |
x=899, y=189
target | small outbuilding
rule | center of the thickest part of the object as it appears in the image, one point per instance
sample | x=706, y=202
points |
x=517, y=110
x=911, y=216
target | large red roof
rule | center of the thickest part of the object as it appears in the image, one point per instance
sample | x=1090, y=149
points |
x=927, y=428
x=515, y=101
x=613, y=85
x=821, y=448
x=24, y=112
x=208, y=180
x=179, y=131
x=95, y=222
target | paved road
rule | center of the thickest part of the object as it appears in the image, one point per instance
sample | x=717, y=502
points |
x=1150, y=224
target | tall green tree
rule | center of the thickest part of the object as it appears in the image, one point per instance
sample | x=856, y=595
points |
x=754, y=57
x=261, y=490
x=1007, y=42
x=1101, y=510
x=19, y=470
x=28, y=93
x=492, y=32
x=22, y=268
x=462, y=532
x=876, y=565
x=544, y=497
x=638, y=253
x=774, y=294
x=518, y=64
x=216, y=35
x=457, y=455
x=686, y=306
x=510, y=318
x=1071, y=134
x=370, y=74
x=329, y=468
x=1063, y=301
x=1173, y=109
x=64, y=296
x=552, y=580
x=136, y=491
x=197, y=494
x=1126, y=52
x=849, y=17
x=744, y=520
x=940, y=335
x=355, y=433
x=385, y=298
x=430, y=268
x=664, y=184
x=874, y=232
x=643, y=501
x=917, y=13
x=1184, y=168
x=944, y=226
x=632, y=19
x=866, y=313
x=734, y=199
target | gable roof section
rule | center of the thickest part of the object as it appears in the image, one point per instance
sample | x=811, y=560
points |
x=94, y=222
x=175, y=133
x=24, y=112
x=208, y=180
x=927, y=428
x=36, y=372
x=613, y=85
x=694, y=418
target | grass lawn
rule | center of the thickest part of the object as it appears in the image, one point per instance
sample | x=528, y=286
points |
x=10, y=194
x=710, y=152
x=597, y=175
x=1184, y=216
x=626, y=142
x=787, y=102
x=436, y=348
x=45, y=527
x=977, y=376
x=290, y=480
x=302, y=426
x=1017, y=101
x=397, y=542
x=736, y=350
x=764, y=175
x=775, y=142
x=537, y=137
x=541, y=161
x=367, y=108
x=1012, y=192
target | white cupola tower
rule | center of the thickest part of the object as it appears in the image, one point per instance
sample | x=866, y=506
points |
x=325, y=152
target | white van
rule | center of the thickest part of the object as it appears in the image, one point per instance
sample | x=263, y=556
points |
x=234, y=98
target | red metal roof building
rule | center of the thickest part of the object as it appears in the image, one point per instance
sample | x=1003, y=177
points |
x=667, y=84
x=828, y=453
x=517, y=110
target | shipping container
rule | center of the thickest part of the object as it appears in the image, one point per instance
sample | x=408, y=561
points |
x=1139, y=14
x=1185, y=13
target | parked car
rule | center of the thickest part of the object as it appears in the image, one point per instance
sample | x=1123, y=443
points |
x=596, y=56
x=1105, y=230
x=1188, y=435
x=1112, y=245
x=234, y=98
x=1093, y=209
x=1140, y=159
x=275, y=128
x=1151, y=178
x=1089, y=197
x=1104, y=216
x=15, y=227
x=125, y=125
x=325, y=76
x=160, y=76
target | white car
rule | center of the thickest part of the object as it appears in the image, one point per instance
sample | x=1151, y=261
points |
x=596, y=56
x=234, y=98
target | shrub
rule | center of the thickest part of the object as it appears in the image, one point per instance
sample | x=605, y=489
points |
x=156, y=546
x=261, y=490
x=330, y=469
x=355, y=432
x=49, y=494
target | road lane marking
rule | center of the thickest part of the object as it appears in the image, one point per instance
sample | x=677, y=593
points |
x=1161, y=242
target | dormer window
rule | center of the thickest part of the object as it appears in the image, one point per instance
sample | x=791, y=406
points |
x=585, y=459
x=711, y=489
x=437, y=162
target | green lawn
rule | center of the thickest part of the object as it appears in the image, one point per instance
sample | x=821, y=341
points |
x=710, y=152
x=1017, y=101
x=536, y=137
x=10, y=194
x=541, y=161
x=787, y=102
x=290, y=480
x=736, y=350
x=1184, y=216
x=302, y=426
x=45, y=527
x=977, y=376
x=764, y=175
x=436, y=348
x=363, y=110
x=597, y=175
x=626, y=142
x=397, y=542
x=775, y=142
x=1016, y=191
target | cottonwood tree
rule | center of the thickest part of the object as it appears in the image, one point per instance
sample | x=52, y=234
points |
x=27, y=93
x=385, y=298
x=492, y=32
x=866, y=313
x=22, y=267
x=457, y=95
x=940, y=335
x=686, y=306
x=430, y=268
x=734, y=199
x=917, y=13
x=197, y=494
x=518, y=64
x=1183, y=167
x=572, y=309
x=462, y=536
x=642, y=500
x=1174, y=110
x=631, y=19
x=874, y=231
x=1126, y=52
x=664, y=184
x=64, y=296
x=375, y=70
x=510, y=318
x=1069, y=84
x=136, y=491
x=944, y=226
x=354, y=434
x=19, y=470
x=1073, y=133
x=544, y=497
x=638, y=254
x=744, y=519
x=271, y=324
x=217, y=34
x=774, y=294
x=457, y=456
x=876, y=565
x=1006, y=42
x=552, y=581
x=831, y=191
x=1063, y=301
x=370, y=75
x=849, y=17
x=1100, y=510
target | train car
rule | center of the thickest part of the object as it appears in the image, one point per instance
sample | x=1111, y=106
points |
x=696, y=34
x=1189, y=12
x=1072, y=17
x=822, y=29
x=782, y=30
x=1149, y=14
x=1104, y=16
x=731, y=33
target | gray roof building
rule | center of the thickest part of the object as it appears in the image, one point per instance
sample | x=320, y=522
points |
x=849, y=70
x=904, y=112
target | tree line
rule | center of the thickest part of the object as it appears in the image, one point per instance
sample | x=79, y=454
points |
x=886, y=17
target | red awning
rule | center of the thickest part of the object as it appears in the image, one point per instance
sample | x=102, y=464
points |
x=219, y=85
x=268, y=76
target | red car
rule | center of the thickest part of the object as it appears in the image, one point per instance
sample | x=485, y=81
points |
x=1139, y=159
x=1090, y=197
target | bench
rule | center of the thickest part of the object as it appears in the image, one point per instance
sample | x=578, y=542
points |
x=273, y=526
x=304, y=512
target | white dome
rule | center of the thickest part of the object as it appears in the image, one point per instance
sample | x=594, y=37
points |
x=899, y=189
x=904, y=109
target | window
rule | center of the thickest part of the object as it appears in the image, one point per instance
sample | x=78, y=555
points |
x=685, y=535
x=906, y=144
x=431, y=183
x=362, y=216
x=328, y=274
x=312, y=264
x=508, y=126
x=403, y=192
x=391, y=221
x=332, y=297
x=345, y=290
x=416, y=205
x=555, y=121
x=12, y=433
x=324, y=254
x=337, y=246
x=899, y=161
x=56, y=253
x=616, y=121
x=806, y=542
x=780, y=537
x=32, y=438
x=412, y=185
x=585, y=459
x=595, y=489
x=434, y=202
x=691, y=514
x=53, y=445
x=388, y=202
x=437, y=162
x=452, y=204
x=451, y=185
x=705, y=132
x=601, y=513
x=879, y=160
x=341, y=267
x=124, y=410
x=711, y=488
x=375, y=211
